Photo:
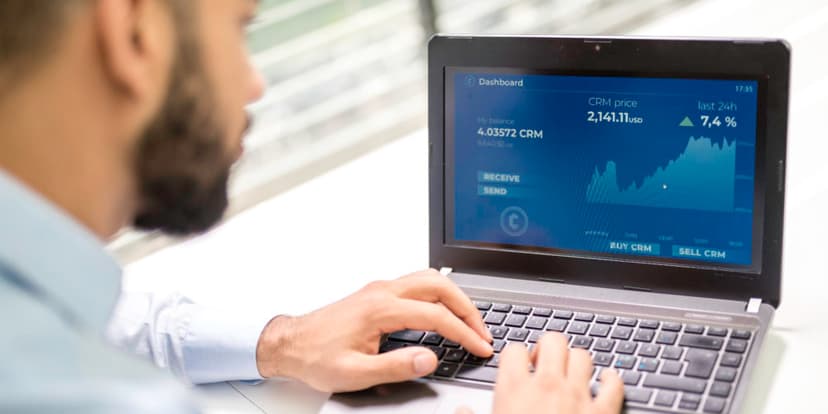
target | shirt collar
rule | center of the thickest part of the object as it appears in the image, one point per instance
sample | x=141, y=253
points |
x=43, y=246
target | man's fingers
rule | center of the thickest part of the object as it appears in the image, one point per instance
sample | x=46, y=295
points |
x=513, y=369
x=431, y=286
x=415, y=314
x=579, y=368
x=551, y=356
x=396, y=366
x=610, y=393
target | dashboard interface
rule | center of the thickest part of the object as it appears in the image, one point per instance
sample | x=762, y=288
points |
x=654, y=169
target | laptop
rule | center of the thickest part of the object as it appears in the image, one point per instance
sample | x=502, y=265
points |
x=625, y=192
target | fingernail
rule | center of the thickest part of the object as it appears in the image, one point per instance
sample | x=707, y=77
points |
x=487, y=346
x=422, y=364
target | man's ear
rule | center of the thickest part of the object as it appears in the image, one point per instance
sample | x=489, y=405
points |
x=135, y=39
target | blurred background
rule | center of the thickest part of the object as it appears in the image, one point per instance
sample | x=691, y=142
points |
x=347, y=76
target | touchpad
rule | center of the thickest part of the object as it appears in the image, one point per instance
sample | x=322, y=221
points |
x=411, y=397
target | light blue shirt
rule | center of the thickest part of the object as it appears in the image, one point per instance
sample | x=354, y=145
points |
x=63, y=328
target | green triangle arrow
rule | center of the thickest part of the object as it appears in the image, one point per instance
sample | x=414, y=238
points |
x=686, y=122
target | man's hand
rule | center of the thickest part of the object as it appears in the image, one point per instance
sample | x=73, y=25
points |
x=335, y=348
x=560, y=383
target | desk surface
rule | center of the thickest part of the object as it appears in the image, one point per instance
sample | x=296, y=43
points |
x=368, y=220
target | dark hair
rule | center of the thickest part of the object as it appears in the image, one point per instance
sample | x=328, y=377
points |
x=29, y=31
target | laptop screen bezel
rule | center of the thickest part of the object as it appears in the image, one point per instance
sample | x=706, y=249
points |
x=766, y=61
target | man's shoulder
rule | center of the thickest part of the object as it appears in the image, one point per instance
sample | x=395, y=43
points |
x=51, y=365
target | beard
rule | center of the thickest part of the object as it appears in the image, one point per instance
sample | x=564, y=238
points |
x=181, y=165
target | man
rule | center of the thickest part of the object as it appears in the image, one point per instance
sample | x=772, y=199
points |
x=132, y=111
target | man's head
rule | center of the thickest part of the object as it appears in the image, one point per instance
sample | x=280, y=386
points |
x=168, y=81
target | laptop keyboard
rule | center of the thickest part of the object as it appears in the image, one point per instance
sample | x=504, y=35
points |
x=664, y=364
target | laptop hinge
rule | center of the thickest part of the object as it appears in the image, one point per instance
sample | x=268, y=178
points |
x=445, y=271
x=753, y=305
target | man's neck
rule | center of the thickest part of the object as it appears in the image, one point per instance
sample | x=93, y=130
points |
x=57, y=146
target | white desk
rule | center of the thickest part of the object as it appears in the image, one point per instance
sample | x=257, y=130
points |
x=368, y=220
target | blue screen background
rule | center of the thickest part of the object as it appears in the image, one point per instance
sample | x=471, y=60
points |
x=570, y=163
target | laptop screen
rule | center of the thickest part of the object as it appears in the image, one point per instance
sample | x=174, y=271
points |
x=611, y=166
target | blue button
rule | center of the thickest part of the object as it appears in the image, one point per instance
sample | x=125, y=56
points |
x=700, y=253
x=629, y=247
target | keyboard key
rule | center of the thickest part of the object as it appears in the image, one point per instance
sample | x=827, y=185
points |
x=625, y=347
x=649, y=324
x=450, y=344
x=731, y=360
x=544, y=312
x=689, y=401
x=621, y=332
x=627, y=321
x=720, y=389
x=389, y=346
x=432, y=338
x=699, y=341
x=602, y=359
x=407, y=336
x=578, y=328
x=700, y=363
x=519, y=335
x=670, y=382
x=740, y=334
x=630, y=377
x=535, y=336
x=446, y=369
x=671, y=326
x=736, y=345
x=484, y=306
x=671, y=367
x=501, y=307
x=484, y=374
x=666, y=338
x=494, y=361
x=557, y=325
x=472, y=359
x=536, y=323
x=716, y=331
x=625, y=361
x=583, y=342
x=499, y=332
x=455, y=355
x=498, y=345
x=648, y=365
x=639, y=395
x=606, y=319
x=694, y=329
x=644, y=335
x=437, y=351
x=671, y=352
x=648, y=350
x=584, y=317
x=599, y=330
x=726, y=374
x=604, y=345
x=516, y=321
x=522, y=310
x=714, y=405
x=665, y=398
x=563, y=314
x=495, y=318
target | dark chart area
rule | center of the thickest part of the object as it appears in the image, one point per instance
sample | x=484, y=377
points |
x=618, y=165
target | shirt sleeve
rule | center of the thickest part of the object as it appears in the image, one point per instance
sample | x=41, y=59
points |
x=199, y=344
